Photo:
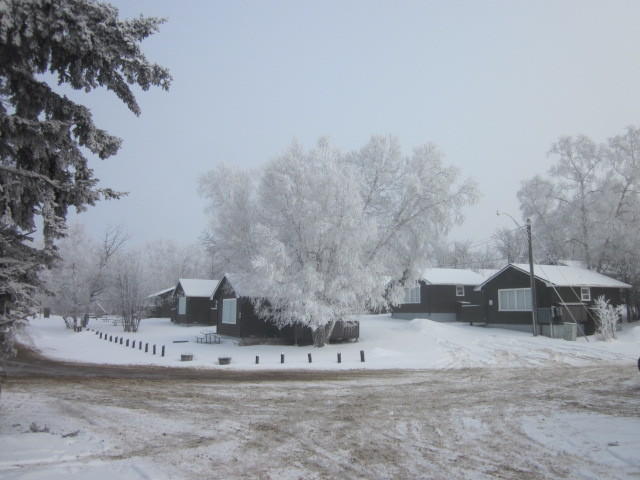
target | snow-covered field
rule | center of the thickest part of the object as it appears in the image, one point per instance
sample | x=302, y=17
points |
x=388, y=344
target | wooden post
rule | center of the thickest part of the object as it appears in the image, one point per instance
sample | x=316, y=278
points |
x=282, y=358
x=162, y=351
x=339, y=357
x=257, y=359
x=362, y=355
x=140, y=345
x=127, y=343
x=154, y=349
x=120, y=340
x=100, y=336
x=146, y=348
x=111, y=338
x=133, y=344
x=309, y=357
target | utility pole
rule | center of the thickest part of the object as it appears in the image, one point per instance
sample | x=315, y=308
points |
x=532, y=282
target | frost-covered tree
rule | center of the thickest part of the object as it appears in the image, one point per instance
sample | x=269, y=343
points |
x=511, y=245
x=607, y=317
x=45, y=137
x=127, y=293
x=81, y=278
x=165, y=261
x=588, y=206
x=317, y=233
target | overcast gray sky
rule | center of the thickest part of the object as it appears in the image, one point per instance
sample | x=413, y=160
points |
x=493, y=84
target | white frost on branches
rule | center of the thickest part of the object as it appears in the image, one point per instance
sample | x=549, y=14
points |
x=318, y=233
x=607, y=317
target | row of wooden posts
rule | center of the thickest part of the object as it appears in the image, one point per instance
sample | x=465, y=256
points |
x=310, y=358
x=121, y=341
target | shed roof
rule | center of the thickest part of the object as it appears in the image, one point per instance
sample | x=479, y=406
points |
x=198, y=287
x=456, y=276
x=564, y=276
x=161, y=292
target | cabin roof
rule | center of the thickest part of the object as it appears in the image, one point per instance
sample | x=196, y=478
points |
x=198, y=287
x=456, y=276
x=564, y=276
x=241, y=284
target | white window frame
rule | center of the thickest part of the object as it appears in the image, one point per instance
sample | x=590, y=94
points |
x=459, y=289
x=585, y=294
x=182, y=305
x=409, y=295
x=226, y=305
x=516, y=307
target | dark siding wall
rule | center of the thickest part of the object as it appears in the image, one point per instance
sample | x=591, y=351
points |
x=421, y=307
x=582, y=313
x=197, y=309
x=546, y=297
x=226, y=291
x=248, y=324
x=439, y=299
x=512, y=278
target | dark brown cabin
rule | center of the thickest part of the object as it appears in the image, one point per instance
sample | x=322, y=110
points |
x=441, y=294
x=232, y=310
x=563, y=294
x=192, y=301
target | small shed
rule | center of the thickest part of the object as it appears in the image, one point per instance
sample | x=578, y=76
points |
x=441, y=294
x=192, y=300
x=232, y=310
x=160, y=304
x=563, y=294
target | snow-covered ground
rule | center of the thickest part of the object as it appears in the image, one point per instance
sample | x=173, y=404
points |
x=571, y=412
x=472, y=424
x=388, y=344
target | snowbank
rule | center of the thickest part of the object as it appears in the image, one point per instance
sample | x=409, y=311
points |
x=387, y=343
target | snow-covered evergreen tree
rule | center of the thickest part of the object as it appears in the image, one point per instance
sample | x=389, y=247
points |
x=44, y=136
x=319, y=233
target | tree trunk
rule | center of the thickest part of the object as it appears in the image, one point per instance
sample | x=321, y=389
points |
x=321, y=335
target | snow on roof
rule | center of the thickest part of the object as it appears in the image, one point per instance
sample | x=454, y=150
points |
x=565, y=276
x=241, y=285
x=161, y=292
x=456, y=276
x=198, y=287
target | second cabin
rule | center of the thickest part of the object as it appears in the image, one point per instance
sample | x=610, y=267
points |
x=565, y=294
x=441, y=293
x=233, y=312
x=192, y=300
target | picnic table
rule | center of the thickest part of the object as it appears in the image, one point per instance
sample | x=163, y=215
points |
x=208, y=337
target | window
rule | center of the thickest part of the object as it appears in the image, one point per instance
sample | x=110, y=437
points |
x=412, y=294
x=459, y=290
x=585, y=294
x=214, y=306
x=182, y=305
x=229, y=306
x=514, y=300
